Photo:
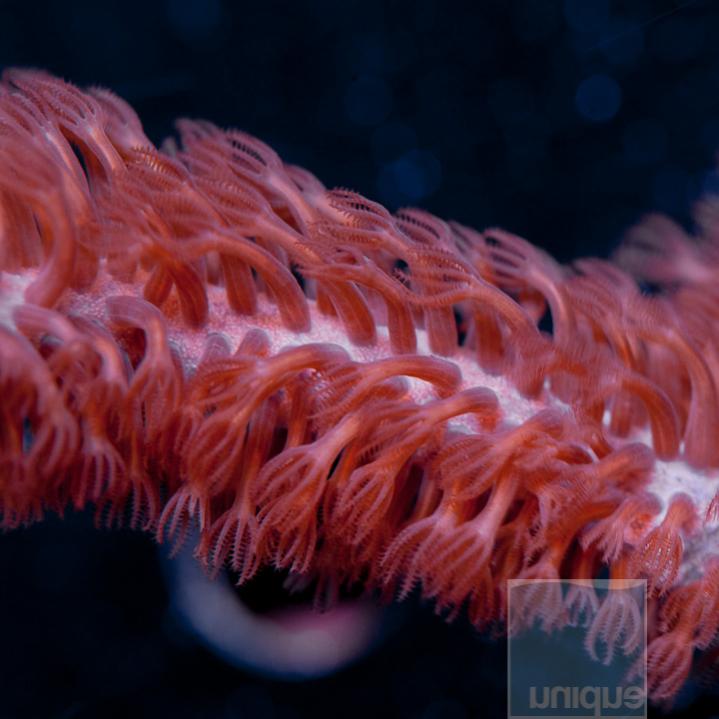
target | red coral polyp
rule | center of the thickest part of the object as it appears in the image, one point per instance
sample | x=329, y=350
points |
x=205, y=338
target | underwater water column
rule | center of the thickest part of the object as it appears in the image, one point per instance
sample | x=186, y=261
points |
x=201, y=340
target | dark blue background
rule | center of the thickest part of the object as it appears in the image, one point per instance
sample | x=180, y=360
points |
x=563, y=121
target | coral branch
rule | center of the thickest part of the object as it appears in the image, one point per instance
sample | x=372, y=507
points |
x=207, y=339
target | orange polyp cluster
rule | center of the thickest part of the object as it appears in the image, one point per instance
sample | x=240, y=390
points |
x=206, y=338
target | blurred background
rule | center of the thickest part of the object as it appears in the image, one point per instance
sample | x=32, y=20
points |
x=563, y=121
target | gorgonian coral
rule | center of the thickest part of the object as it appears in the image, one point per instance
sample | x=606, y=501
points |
x=205, y=337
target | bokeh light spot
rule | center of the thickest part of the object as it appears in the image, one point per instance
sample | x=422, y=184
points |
x=598, y=98
x=411, y=178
